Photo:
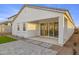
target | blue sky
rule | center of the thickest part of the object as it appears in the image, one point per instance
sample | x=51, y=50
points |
x=7, y=10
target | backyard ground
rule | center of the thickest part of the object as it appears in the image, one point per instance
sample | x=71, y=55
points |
x=32, y=47
x=71, y=46
x=24, y=46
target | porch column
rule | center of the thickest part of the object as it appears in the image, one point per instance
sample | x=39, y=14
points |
x=61, y=30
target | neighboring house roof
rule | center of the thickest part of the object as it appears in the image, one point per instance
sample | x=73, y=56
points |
x=12, y=16
x=4, y=22
x=59, y=10
x=8, y=19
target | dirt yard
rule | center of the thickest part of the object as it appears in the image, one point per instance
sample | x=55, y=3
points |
x=71, y=47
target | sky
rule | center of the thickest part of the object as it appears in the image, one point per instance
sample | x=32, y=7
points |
x=7, y=10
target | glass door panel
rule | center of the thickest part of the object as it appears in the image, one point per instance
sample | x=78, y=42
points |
x=51, y=29
x=56, y=29
x=44, y=29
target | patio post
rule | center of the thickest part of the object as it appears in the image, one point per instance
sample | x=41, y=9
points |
x=61, y=30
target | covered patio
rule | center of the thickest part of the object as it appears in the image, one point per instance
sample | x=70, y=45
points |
x=47, y=30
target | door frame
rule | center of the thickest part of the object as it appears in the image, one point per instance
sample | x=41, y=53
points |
x=48, y=30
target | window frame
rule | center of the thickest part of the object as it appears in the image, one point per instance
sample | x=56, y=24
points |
x=18, y=27
x=24, y=26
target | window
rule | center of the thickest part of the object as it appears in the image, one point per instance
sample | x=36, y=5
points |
x=31, y=26
x=24, y=27
x=18, y=28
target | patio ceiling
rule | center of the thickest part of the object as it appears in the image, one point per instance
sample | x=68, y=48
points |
x=55, y=19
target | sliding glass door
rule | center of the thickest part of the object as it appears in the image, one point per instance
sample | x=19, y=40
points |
x=49, y=29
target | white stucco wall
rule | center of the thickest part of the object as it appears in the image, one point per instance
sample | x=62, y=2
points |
x=21, y=33
x=31, y=14
x=68, y=29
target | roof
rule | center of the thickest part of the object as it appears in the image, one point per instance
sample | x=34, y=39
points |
x=42, y=8
x=4, y=22
x=47, y=8
x=12, y=16
x=59, y=10
x=8, y=19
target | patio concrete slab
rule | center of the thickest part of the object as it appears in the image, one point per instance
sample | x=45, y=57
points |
x=33, y=41
x=36, y=40
x=46, y=40
x=46, y=45
x=20, y=47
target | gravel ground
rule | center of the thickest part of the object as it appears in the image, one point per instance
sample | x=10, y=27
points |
x=20, y=47
x=68, y=48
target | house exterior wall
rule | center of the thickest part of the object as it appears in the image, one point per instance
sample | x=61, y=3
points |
x=5, y=28
x=68, y=29
x=31, y=14
x=9, y=28
x=1, y=28
x=27, y=33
